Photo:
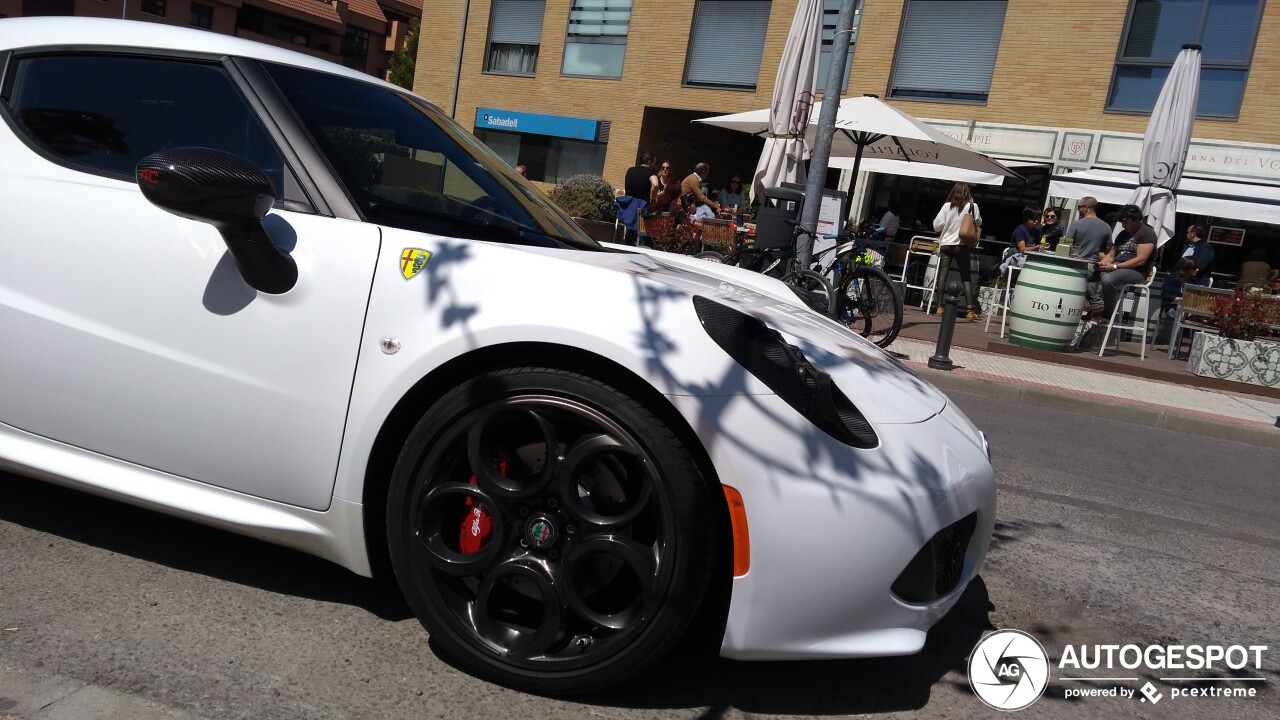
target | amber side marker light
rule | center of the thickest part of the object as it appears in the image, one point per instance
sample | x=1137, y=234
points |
x=741, y=538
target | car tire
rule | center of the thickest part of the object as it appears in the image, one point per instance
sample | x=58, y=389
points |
x=550, y=572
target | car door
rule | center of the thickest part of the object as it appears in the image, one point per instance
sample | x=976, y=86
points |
x=128, y=331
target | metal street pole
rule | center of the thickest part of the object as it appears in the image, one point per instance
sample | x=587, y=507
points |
x=821, y=155
x=462, y=46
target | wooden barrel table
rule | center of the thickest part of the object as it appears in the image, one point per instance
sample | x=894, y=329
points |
x=1048, y=301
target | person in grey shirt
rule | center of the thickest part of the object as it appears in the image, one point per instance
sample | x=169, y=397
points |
x=1090, y=239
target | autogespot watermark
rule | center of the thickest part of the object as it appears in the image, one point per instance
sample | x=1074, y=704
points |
x=1010, y=670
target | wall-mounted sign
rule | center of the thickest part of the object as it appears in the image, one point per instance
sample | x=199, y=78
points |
x=1203, y=158
x=1076, y=147
x=1031, y=143
x=1226, y=235
x=538, y=124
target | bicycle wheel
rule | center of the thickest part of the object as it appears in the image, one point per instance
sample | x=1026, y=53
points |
x=712, y=256
x=870, y=305
x=813, y=289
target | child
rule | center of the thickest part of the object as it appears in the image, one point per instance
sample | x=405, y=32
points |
x=1174, y=283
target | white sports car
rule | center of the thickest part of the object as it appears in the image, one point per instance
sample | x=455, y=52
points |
x=267, y=293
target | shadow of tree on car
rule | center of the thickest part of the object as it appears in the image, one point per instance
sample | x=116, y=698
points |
x=190, y=547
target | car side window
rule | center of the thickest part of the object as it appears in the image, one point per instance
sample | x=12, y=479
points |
x=407, y=168
x=106, y=112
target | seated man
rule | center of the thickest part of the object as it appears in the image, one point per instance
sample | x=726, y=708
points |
x=1025, y=239
x=1129, y=259
x=1200, y=252
x=1091, y=238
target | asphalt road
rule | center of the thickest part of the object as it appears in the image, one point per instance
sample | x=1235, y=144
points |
x=1107, y=533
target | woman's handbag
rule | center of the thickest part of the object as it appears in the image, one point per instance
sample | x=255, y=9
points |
x=969, y=229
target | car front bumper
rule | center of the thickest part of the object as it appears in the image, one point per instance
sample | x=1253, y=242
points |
x=832, y=528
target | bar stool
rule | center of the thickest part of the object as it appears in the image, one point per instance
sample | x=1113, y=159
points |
x=1003, y=304
x=1141, y=314
x=925, y=248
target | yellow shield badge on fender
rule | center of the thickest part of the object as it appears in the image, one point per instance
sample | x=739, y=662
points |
x=412, y=260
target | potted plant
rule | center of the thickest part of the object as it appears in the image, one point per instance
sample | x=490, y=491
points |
x=669, y=237
x=589, y=201
x=1240, y=350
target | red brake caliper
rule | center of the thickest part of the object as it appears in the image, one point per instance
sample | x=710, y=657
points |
x=477, y=525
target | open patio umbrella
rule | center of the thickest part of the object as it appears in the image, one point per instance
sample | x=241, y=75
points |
x=1164, y=146
x=868, y=126
x=784, y=147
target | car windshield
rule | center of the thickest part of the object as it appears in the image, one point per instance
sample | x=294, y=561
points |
x=408, y=166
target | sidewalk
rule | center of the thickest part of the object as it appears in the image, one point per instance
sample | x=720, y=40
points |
x=1115, y=392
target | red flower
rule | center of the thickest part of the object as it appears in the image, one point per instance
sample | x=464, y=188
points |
x=1244, y=315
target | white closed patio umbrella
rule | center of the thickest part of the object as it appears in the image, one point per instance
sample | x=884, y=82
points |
x=782, y=159
x=1164, y=146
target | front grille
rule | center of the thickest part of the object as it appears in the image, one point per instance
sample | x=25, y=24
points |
x=936, y=569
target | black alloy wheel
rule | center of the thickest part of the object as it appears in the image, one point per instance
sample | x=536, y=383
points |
x=550, y=533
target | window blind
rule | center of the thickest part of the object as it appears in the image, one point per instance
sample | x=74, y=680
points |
x=948, y=47
x=727, y=42
x=517, y=22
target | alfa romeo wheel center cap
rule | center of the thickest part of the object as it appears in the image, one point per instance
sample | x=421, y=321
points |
x=541, y=532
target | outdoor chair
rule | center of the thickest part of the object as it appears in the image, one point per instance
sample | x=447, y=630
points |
x=627, y=211
x=1141, y=315
x=1005, y=296
x=1197, y=302
x=922, y=248
x=717, y=235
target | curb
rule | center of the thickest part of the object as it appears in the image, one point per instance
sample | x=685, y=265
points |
x=1163, y=418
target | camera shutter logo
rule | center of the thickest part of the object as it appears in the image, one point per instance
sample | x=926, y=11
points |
x=1009, y=670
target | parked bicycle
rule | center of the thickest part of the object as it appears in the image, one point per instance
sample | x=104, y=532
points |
x=811, y=287
x=866, y=300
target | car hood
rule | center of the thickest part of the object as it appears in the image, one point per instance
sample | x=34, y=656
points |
x=882, y=387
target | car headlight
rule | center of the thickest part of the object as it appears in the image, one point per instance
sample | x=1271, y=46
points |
x=785, y=370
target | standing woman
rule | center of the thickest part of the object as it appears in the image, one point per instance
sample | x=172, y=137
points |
x=947, y=225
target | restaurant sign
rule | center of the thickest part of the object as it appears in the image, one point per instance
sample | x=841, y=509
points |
x=1203, y=158
x=1013, y=142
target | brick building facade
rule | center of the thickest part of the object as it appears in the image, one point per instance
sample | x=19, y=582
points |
x=1062, y=92
x=360, y=34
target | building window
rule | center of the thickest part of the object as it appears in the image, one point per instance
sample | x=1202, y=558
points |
x=355, y=48
x=201, y=16
x=726, y=43
x=830, y=17
x=597, y=38
x=546, y=159
x=515, y=32
x=153, y=7
x=947, y=50
x=1156, y=30
x=34, y=8
x=276, y=26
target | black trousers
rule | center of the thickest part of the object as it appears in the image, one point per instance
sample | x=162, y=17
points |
x=960, y=254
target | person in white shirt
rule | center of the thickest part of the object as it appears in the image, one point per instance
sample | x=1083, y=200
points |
x=947, y=224
x=889, y=221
